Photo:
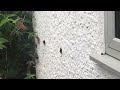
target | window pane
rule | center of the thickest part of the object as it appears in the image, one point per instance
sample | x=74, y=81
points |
x=117, y=23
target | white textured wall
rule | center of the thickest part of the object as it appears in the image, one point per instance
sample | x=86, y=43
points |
x=78, y=33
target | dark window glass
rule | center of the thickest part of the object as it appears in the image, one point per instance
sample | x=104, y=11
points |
x=117, y=24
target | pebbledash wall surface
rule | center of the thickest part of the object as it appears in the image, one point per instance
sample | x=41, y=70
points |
x=78, y=34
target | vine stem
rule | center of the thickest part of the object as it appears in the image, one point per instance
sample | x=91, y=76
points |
x=6, y=60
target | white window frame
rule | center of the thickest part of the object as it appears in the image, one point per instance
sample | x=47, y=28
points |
x=112, y=43
x=111, y=58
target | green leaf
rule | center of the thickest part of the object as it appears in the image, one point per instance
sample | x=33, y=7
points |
x=1, y=15
x=11, y=15
x=2, y=40
x=1, y=34
x=31, y=35
x=30, y=76
x=2, y=46
x=16, y=12
x=14, y=21
x=4, y=21
x=27, y=21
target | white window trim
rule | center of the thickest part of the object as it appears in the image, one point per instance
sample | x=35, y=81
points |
x=112, y=43
x=107, y=62
x=111, y=59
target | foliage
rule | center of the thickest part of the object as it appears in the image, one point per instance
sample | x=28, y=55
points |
x=17, y=45
x=2, y=41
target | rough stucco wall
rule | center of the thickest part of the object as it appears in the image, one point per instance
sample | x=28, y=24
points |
x=78, y=33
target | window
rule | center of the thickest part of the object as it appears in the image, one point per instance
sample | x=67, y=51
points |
x=112, y=33
x=117, y=18
x=111, y=59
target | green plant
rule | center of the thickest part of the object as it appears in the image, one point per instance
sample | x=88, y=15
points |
x=2, y=41
x=17, y=45
x=30, y=76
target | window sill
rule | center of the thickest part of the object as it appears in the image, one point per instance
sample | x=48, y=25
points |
x=107, y=62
